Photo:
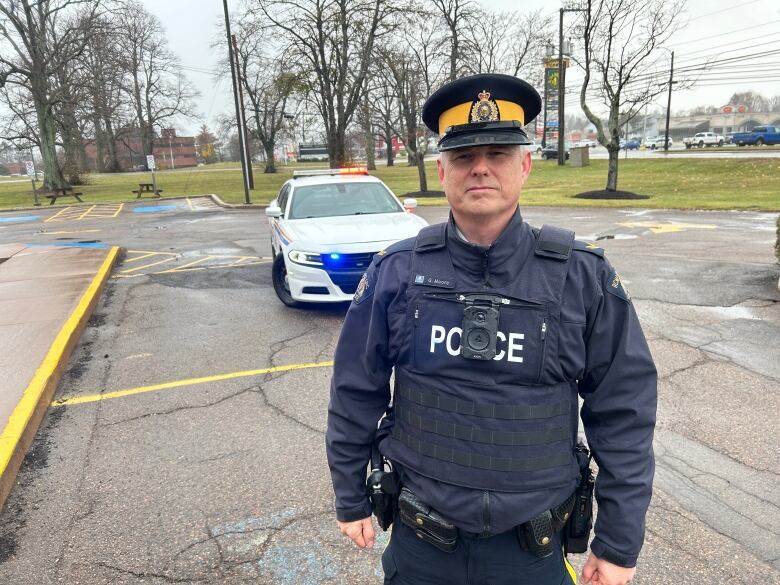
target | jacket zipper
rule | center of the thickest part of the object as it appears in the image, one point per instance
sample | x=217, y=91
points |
x=486, y=512
x=544, y=350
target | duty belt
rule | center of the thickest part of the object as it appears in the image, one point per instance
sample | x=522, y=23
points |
x=536, y=535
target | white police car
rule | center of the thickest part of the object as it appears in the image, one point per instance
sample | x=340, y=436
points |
x=326, y=227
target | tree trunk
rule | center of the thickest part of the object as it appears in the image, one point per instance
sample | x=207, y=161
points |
x=369, y=136
x=53, y=178
x=421, y=172
x=113, y=160
x=612, y=174
x=270, y=164
x=389, y=144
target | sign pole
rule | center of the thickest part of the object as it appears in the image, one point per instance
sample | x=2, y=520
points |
x=152, y=167
x=30, y=169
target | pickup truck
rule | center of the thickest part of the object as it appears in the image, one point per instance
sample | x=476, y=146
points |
x=703, y=139
x=758, y=136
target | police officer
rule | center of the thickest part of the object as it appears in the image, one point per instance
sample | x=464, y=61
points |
x=491, y=330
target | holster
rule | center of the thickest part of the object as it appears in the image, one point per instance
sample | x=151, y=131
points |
x=576, y=533
x=427, y=523
x=382, y=488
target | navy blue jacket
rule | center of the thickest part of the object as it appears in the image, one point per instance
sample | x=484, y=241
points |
x=601, y=346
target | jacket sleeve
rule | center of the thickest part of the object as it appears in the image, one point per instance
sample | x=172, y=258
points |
x=360, y=391
x=619, y=410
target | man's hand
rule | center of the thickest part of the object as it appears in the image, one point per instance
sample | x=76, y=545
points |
x=361, y=532
x=600, y=572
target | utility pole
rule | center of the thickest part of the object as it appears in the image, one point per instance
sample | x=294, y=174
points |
x=669, y=105
x=562, y=88
x=243, y=113
x=233, y=75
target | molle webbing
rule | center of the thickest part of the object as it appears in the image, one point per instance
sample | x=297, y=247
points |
x=477, y=435
x=496, y=411
x=477, y=461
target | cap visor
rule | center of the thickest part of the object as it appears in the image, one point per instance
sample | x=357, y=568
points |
x=467, y=138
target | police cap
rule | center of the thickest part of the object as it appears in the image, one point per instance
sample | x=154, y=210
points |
x=487, y=108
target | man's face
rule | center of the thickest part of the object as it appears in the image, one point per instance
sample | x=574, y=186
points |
x=483, y=181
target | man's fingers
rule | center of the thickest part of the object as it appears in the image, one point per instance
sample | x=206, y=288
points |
x=361, y=532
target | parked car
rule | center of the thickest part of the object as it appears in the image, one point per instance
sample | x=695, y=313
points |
x=551, y=150
x=758, y=136
x=703, y=139
x=534, y=147
x=632, y=144
x=326, y=227
x=589, y=142
x=654, y=142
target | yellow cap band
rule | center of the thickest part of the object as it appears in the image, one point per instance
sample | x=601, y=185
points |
x=461, y=113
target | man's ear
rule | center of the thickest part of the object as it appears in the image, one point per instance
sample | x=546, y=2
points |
x=525, y=164
x=440, y=169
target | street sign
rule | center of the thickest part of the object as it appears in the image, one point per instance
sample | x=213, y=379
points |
x=150, y=162
x=30, y=167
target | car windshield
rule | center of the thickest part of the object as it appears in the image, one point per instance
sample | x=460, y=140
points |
x=338, y=199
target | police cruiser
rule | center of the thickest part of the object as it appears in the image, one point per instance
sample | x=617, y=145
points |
x=326, y=226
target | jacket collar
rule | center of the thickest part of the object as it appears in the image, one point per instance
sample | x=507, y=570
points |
x=494, y=265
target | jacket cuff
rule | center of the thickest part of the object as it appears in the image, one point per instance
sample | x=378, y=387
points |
x=609, y=554
x=354, y=514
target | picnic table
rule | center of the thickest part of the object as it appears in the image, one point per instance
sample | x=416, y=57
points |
x=146, y=188
x=53, y=194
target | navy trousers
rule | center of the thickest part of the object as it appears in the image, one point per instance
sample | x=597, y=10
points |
x=497, y=560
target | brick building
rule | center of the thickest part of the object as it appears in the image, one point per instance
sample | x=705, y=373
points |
x=170, y=151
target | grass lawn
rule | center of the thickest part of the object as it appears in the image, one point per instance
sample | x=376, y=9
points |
x=744, y=183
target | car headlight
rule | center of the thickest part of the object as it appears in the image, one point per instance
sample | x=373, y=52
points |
x=305, y=258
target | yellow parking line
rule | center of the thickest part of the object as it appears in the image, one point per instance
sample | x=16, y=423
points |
x=145, y=266
x=141, y=257
x=62, y=232
x=187, y=266
x=121, y=205
x=189, y=203
x=188, y=382
x=86, y=213
x=56, y=215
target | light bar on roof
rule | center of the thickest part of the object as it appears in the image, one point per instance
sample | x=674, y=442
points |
x=331, y=172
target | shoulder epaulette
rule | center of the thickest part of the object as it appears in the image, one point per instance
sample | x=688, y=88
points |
x=588, y=247
x=406, y=245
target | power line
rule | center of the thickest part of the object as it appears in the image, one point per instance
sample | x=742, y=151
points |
x=723, y=10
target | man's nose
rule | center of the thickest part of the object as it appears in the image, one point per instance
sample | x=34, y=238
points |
x=479, y=165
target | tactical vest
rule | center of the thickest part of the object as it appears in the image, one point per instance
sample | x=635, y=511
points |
x=505, y=424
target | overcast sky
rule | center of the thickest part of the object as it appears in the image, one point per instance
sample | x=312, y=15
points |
x=713, y=29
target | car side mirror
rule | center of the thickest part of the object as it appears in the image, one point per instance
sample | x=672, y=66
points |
x=410, y=205
x=273, y=211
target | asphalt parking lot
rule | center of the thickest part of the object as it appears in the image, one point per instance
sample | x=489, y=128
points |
x=186, y=441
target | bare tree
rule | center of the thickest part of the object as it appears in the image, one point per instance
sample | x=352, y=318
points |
x=38, y=41
x=334, y=43
x=621, y=63
x=157, y=89
x=458, y=15
x=268, y=83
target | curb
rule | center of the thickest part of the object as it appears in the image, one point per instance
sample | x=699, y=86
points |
x=19, y=432
x=215, y=198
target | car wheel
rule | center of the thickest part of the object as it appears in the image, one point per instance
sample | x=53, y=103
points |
x=652, y=147
x=687, y=146
x=701, y=144
x=281, y=286
x=760, y=142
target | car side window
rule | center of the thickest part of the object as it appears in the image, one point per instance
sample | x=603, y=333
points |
x=283, y=196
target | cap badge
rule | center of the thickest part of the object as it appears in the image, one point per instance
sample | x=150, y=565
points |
x=484, y=110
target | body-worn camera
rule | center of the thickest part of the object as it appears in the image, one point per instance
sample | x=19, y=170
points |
x=480, y=327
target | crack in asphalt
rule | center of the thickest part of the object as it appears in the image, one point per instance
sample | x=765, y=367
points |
x=279, y=410
x=279, y=346
x=183, y=408
x=714, y=496
x=75, y=517
x=148, y=575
